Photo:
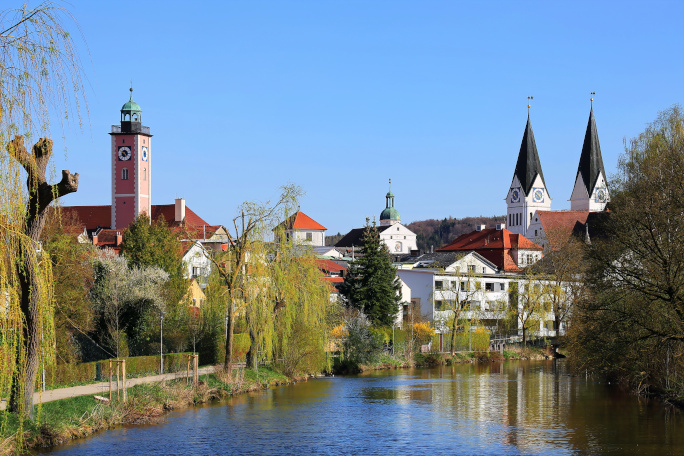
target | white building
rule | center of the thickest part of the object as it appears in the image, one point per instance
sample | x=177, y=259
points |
x=441, y=282
x=399, y=240
x=302, y=229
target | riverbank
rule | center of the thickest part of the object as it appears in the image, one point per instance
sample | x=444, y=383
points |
x=78, y=417
x=387, y=361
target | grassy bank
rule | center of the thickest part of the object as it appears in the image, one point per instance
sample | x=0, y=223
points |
x=61, y=421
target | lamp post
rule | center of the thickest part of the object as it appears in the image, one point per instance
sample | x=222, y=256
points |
x=161, y=342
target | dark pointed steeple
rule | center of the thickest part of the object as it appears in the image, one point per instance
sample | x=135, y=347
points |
x=591, y=162
x=528, y=166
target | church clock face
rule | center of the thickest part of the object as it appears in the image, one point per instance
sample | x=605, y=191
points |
x=124, y=153
x=515, y=196
x=601, y=195
x=538, y=195
x=144, y=153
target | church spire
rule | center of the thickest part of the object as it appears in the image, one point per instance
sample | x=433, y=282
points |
x=528, y=166
x=591, y=161
x=590, y=192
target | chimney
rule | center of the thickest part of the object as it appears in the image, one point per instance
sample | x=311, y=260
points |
x=180, y=210
x=119, y=238
x=500, y=226
x=479, y=227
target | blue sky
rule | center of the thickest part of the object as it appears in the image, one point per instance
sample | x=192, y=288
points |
x=338, y=97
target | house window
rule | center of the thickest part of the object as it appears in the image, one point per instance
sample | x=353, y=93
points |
x=404, y=237
x=471, y=268
x=397, y=228
x=484, y=270
x=309, y=236
x=464, y=286
x=124, y=174
x=530, y=217
x=439, y=305
x=535, y=232
x=439, y=285
x=503, y=286
x=489, y=286
x=194, y=302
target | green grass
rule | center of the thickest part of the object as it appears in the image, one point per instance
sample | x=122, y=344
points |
x=80, y=416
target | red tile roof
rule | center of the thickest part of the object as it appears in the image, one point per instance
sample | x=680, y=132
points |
x=489, y=239
x=192, y=220
x=558, y=226
x=301, y=221
x=494, y=245
x=329, y=266
x=90, y=216
x=334, y=279
x=101, y=216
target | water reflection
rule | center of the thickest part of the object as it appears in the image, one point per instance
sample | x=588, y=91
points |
x=510, y=408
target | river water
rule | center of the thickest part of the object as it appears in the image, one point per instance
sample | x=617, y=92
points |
x=520, y=407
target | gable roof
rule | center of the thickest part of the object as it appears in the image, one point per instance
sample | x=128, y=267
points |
x=301, y=221
x=353, y=238
x=528, y=165
x=591, y=161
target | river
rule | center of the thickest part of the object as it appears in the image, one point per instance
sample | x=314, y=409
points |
x=519, y=407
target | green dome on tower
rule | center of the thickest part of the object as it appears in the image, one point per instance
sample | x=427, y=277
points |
x=131, y=111
x=389, y=213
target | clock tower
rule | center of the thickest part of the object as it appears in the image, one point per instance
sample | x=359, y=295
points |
x=590, y=192
x=131, y=167
x=527, y=193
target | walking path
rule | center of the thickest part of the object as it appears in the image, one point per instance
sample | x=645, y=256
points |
x=102, y=388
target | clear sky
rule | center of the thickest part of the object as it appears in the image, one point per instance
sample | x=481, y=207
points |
x=339, y=96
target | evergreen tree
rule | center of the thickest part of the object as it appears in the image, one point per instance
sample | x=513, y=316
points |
x=371, y=284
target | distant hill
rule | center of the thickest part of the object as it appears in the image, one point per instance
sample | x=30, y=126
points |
x=436, y=233
x=332, y=240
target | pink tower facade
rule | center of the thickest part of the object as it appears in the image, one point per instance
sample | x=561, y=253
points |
x=131, y=167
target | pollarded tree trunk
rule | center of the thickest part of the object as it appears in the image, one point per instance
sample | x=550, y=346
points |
x=40, y=195
x=228, y=361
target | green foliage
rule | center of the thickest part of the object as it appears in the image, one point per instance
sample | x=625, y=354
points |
x=631, y=325
x=371, y=284
x=148, y=243
x=361, y=345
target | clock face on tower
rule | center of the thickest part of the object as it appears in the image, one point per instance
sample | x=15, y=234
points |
x=538, y=195
x=144, y=153
x=124, y=153
x=515, y=196
x=601, y=195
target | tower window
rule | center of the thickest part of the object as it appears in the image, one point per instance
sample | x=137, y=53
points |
x=530, y=217
x=144, y=174
x=124, y=174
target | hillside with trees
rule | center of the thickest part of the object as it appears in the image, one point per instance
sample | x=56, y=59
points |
x=434, y=233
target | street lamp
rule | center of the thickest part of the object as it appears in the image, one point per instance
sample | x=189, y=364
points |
x=161, y=342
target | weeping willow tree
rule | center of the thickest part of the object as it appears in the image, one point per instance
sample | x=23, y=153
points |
x=301, y=305
x=276, y=286
x=242, y=267
x=40, y=81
